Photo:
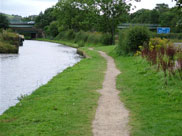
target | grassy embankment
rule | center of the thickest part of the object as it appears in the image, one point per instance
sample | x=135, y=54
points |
x=155, y=109
x=65, y=106
x=9, y=42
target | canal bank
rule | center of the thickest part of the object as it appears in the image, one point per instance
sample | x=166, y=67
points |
x=10, y=42
x=64, y=106
x=36, y=63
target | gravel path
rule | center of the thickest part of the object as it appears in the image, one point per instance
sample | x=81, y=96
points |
x=111, y=117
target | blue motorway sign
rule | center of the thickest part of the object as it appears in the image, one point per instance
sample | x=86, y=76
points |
x=163, y=30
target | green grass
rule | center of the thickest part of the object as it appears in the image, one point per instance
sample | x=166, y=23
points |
x=155, y=109
x=65, y=106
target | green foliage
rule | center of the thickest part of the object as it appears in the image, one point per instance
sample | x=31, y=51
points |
x=168, y=36
x=163, y=54
x=81, y=36
x=131, y=39
x=161, y=15
x=85, y=16
x=10, y=37
x=7, y=48
x=70, y=34
x=81, y=44
x=106, y=39
x=94, y=38
x=44, y=19
x=52, y=29
x=4, y=23
x=9, y=42
x=122, y=48
x=136, y=37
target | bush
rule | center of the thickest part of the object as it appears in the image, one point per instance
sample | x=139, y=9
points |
x=9, y=42
x=130, y=39
x=81, y=36
x=4, y=22
x=7, y=48
x=81, y=44
x=122, y=48
x=70, y=34
x=66, y=35
x=106, y=39
x=10, y=37
x=165, y=55
x=86, y=37
x=61, y=35
x=52, y=29
x=94, y=37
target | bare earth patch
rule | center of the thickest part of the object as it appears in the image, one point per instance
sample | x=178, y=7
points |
x=111, y=117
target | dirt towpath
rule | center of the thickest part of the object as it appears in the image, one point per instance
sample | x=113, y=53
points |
x=111, y=117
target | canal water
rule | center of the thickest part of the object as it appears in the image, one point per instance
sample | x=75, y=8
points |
x=36, y=63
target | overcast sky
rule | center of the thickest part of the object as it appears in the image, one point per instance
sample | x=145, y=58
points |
x=34, y=7
x=150, y=4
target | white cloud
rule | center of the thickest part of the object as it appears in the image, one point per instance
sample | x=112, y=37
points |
x=150, y=4
x=25, y=7
x=34, y=7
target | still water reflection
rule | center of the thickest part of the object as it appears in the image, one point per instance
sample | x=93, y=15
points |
x=36, y=63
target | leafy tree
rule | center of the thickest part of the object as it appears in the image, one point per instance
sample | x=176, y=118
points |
x=44, y=19
x=162, y=7
x=15, y=18
x=110, y=13
x=4, y=23
x=141, y=16
x=74, y=14
x=29, y=18
x=154, y=17
x=178, y=2
x=52, y=29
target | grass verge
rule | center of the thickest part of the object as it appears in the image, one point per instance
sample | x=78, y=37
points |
x=155, y=109
x=65, y=106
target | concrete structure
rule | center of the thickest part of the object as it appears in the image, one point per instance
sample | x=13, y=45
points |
x=27, y=29
x=150, y=26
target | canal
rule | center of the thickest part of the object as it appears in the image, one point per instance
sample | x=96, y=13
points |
x=36, y=63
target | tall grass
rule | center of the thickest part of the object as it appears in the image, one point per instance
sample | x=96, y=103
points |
x=9, y=42
x=82, y=37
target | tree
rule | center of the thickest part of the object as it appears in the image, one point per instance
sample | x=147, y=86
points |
x=29, y=18
x=52, y=29
x=44, y=19
x=141, y=16
x=162, y=7
x=110, y=13
x=4, y=23
x=74, y=14
x=178, y=2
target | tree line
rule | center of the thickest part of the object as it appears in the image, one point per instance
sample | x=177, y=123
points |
x=161, y=15
x=103, y=16
x=87, y=15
